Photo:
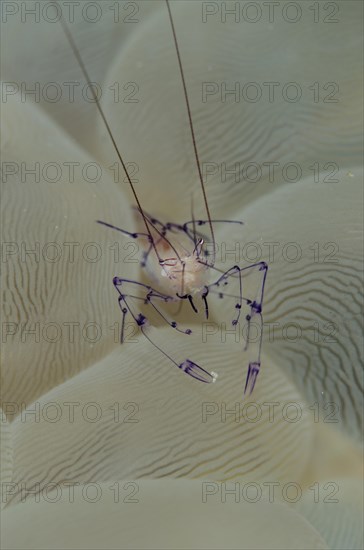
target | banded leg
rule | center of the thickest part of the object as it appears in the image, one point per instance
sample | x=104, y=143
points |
x=188, y=366
x=256, y=308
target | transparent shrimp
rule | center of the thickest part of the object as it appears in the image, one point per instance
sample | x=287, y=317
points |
x=179, y=261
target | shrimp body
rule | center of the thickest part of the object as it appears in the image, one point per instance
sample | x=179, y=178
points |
x=188, y=273
x=185, y=274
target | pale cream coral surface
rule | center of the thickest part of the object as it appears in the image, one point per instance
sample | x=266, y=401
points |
x=112, y=445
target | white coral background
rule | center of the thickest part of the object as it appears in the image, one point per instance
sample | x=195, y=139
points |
x=106, y=446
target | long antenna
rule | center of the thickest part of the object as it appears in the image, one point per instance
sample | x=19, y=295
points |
x=192, y=130
x=96, y=99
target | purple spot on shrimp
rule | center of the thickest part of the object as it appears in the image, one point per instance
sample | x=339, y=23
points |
x=189, y=367
x=141, y=320
x=256, y=307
